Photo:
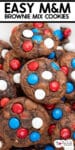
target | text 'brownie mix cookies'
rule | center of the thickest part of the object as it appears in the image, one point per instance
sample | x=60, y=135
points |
x=33, y=40
x=43, y=81
x=24, y=123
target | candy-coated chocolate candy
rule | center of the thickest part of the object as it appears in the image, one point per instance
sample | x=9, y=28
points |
x=65, y=69
x=38, y=25
x=37, y=38
x=1, y=66
x=49, y=147
x=49, y=43
x=73, y=63
x=32, y=66
x=54, y=66
x=27, y=33
x=65, y=133
x=15, y=64
x=73, y=135
x=49, y=106
x=22, y=133
x=34, y=136
x=59, y=34
x=67, y=32
x=46, y=31
x=70, y=47
x=4, y=101
x=54, y=86
x=51, y=128
x=3, y=85
x=40, y=94
x=57, y=113
x=16, y=78
x=14, y=123
x=47, y=75
x=17, y=108
x=27, y=46
x=34, y=30
x=37, y=122
x=4, y=52
x=32, y=79
x=52, y=55
x=69, y=87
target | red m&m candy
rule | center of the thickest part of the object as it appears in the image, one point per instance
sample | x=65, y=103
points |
x=51, y=128
x=54, y=86
x=17, y=108
x=65, y=69
x=46, y=31
x=15, y=64
x=27, y=45
x=38, y=25
x=67, y=32
x=4, y=101
x=65, y=133
x=1, y=66
x=49, y=106
x=33, y=66
x=22, y=133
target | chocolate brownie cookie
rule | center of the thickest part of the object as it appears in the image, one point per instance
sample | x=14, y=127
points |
x=63, y=117
x=67, y=63
x=24, y=123
x=13, y=65
x=33, y=40
x=43, y=81
x=4, y=48
x=7, y=88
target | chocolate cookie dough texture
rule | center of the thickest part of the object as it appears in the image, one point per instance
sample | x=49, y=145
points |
x=43, y=81
x=25, y=123
x=33, y=40
x=4, y=48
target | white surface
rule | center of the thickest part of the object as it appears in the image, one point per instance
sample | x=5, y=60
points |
x=6, y=28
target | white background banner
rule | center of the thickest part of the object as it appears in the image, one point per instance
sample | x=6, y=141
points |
x=37, y=11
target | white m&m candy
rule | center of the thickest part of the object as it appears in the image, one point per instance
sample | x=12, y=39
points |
x=16, y=78
x=4, y=52
x=49, y=43
x=27, y=33
x=40, y=94
x=69, y=47
x=73, y=75
x=1, y=144
x=47, y=75
x=37, y=123
x=3, y=85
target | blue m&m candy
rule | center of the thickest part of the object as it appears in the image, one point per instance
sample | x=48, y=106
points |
x=59, y=34
x=73, y=63
x=73, y=135
x=54, y=66
x=37, y=38
x=14, y=123
x=34, y=30
x=69, y=87
x=32, y=79
x=49, y=147
x=57, y=113
x=34, y=136
x=52, y=55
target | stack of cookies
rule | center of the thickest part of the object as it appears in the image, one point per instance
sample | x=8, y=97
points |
x=37, y=88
